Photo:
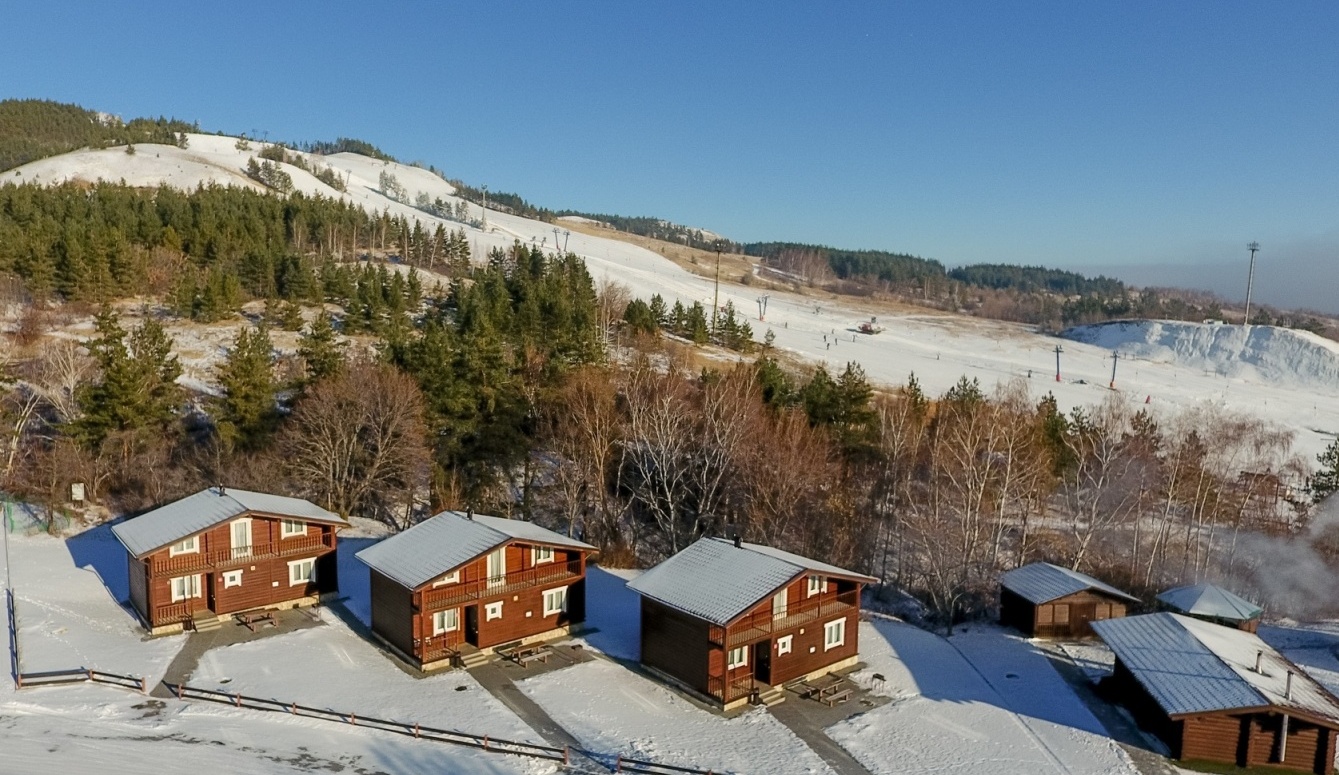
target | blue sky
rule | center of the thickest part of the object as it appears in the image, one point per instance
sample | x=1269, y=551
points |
x=1134, y=137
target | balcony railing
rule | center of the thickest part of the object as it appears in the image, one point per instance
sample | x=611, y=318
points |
x=763, y=623
x=225, y=558
x=172, y=614
x=455, y=594
x=436, y=647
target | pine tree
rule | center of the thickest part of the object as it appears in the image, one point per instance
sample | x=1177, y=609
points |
x=1326, y=480
x=138, y=387
x=321, y=349
x=246, y=413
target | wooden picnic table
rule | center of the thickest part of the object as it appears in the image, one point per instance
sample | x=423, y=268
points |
x=524, y=655
x=252, y=619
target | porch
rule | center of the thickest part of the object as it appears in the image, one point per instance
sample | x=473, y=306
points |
x=197, y=562
x=764, y=624
x=465, y=592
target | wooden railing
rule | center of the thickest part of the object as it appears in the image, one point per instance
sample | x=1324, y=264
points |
x=763, y=623
x=436, y=647
x=168, y=614
x=224, y=558
x=455, y=594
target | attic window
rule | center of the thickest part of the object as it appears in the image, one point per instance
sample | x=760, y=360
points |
x=291, y=528
x=543, y=554
x=451, y=578
x=185, y=546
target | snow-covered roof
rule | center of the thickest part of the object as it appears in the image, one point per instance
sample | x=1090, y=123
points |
x=183, y=518
x=1191, y=666
x=1212, y=601
x=717, y=581
x=1042, y=582
x=449, y=540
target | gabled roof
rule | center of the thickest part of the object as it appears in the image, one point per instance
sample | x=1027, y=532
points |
x=450, y=539
x=1211, y=601
x=183, y=518
x=1190, y=666
x=717, y=581
x=1042, y=582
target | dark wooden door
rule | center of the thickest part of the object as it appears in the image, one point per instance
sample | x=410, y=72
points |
x=209, y=592
x=762, y=661
x=1080, y=615
x=472, y=625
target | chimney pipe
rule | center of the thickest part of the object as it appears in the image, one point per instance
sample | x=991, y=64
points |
x=739, y=542
x=222, y=490
x=1259, y=655
x=1288, y=688
x=469, y=513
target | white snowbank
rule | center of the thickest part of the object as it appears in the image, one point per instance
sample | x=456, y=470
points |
x=1256, y=353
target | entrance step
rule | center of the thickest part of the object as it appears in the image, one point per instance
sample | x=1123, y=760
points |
x=770, y=695
x=471, y=657
x=204, y=620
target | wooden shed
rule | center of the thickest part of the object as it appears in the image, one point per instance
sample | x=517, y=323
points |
x=1212, y=604
x=221, y=551
x=1047, y=601
x=459, y=585
x=729, y=620
x=1218, y=694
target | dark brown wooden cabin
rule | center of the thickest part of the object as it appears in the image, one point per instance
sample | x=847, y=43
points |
x=458, y=583
x=1217, y=694
x=222, y=551
x=1042, y=600
x=727, y=619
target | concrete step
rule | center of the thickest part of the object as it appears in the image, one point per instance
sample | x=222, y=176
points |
x=471, y=657
x=771, y=695
x=205, y=620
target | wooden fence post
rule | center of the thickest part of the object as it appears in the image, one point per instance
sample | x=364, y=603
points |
x=293, y=709
x=619, y=764
x=353, y=719
x=142, y=685
x=415, y=729
x=237, y=700
x=180, y=687
x=567, y=756
x=485, y=742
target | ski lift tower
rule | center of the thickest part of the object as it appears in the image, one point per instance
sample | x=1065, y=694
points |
x=1250, y=277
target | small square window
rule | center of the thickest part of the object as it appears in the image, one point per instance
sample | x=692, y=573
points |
x=784, y=644
x=817, y=584
x=555, y=601
x=739, y=657
x=185, y=546
x=232, y=578
x=301, y=572
x=543, y=554
x=451, y=578
x=291, y=528
x=493, y=611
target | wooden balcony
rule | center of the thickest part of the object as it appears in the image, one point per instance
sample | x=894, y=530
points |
x=541, y=575
x=196, y=562
x=176, y=613
x=763, y=624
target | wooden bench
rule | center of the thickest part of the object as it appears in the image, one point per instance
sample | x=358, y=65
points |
x=524, y=656
x=832, y=698
x=254, y=619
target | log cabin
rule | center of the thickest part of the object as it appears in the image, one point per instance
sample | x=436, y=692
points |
x=197, y=561
x=459, y=584
x=730, y=621
x=1047, y=601
x=1214, y=604
x=1219, y=694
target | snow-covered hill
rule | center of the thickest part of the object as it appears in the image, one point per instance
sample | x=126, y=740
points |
x=819, y=327
x=1264, y=354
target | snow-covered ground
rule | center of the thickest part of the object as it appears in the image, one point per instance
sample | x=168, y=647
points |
x=1181, y=365
x=999, y=701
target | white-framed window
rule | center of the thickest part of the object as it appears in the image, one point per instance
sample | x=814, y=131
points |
x=493, y=611
x=292, y=528
x=301, y=572
x=543, y=554
x=555, y=601
x=739, y=657
x=497, y=567
x=241, y=537
x=784, y=644
x=184, y=587
x=817, y=584
x=834, y=634
x=232, y=578
x=185, y=546
x=446, y=621
x=451, y=578
x=779, y=601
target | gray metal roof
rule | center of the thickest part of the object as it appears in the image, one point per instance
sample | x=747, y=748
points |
x=717, y=581
x=447, y=541
x=1042, y=582
x=183, y=518
x=1212, y=601
x=1190, y=666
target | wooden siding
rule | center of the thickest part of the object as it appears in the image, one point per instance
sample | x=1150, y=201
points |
x=1065, y=617
x=136, y=573
x=264, y=570
x=521, y=594
x=677, y=644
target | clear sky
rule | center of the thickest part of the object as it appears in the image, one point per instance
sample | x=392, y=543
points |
x=1135, y=137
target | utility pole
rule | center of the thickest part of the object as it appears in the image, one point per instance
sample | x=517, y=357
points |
x=1058, y=350
x=555, y=239
x=716, y=297
x=1250, y=277
x=1115, y=356
x=762, y=306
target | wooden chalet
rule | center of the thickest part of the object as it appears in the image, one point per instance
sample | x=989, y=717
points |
x=459, y=583
x=1047, y=601
x=1218, y=694
x=729, y=620
x=1212, y=604
x=198, y=560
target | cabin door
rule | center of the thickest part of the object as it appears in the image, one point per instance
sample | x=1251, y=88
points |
x=209, y=591
x=1082, y=614
x=762, y=662
x=472, y=625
